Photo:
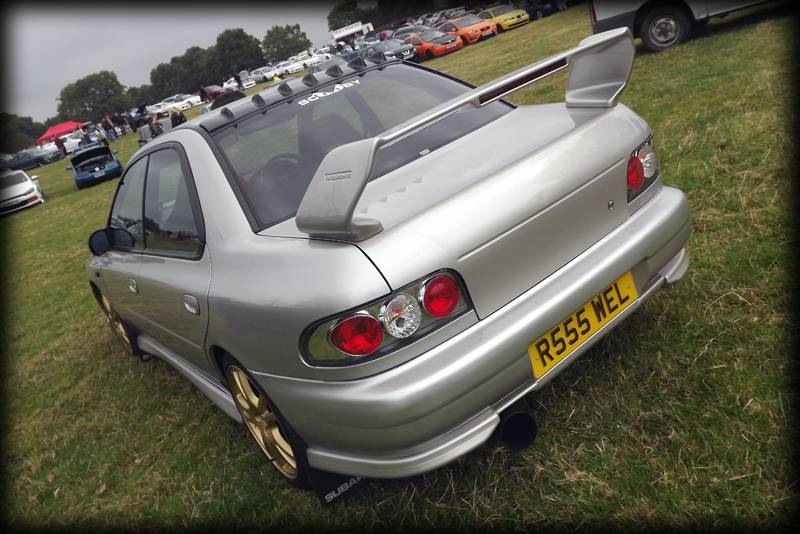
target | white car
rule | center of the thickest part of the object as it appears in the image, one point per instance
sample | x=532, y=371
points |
x=289, y=66
x=71, y=142
x=19, y=191
x=160, y=109
x=181, y=101
x=264, y=74
x=231, y=84
x=315, y=59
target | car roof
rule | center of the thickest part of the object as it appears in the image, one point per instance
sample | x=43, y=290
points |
x=286, y=90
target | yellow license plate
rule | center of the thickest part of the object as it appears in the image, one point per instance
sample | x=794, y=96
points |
x=581, y=324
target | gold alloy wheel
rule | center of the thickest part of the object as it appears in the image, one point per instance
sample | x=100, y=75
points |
x=261, y=422
x=116, y=324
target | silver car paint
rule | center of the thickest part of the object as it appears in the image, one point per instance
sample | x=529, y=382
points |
x=386, y=417
x=412, y=411
x=700, y=9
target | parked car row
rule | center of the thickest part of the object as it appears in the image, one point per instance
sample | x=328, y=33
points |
x=179, y=101
x=449, y=30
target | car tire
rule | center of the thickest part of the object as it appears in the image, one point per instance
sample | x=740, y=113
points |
x=120, y=330
x=428, y=55
x=464, y=41
x=266, y=426
x=664, y=27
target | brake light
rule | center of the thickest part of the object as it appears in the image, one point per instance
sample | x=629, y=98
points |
x=635, y=174
x=521, y=81
x=643, y=168
x=359, y=335
x=386, y=324
x=440, y=296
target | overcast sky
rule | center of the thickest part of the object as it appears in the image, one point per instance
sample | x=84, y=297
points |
x=49, y=46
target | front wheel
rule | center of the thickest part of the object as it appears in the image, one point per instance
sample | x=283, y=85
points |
x=263, y=424
x=664, y=27
x=120, y=330
x=428, y=54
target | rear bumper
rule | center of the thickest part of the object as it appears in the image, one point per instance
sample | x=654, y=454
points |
x=108, y=172
x=430, y=410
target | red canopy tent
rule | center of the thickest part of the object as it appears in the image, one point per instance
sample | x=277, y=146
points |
x=58, y=130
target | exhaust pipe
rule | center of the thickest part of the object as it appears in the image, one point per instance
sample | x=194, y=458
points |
x=517, y=429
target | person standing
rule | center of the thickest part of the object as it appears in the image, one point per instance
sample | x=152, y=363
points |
x=108, y=126
x=177, y=117
x=203, y=94
x=238, y=80
x=155, y=127
x=86, y=139
x=60, y=146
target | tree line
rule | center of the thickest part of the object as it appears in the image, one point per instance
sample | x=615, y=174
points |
x=91, y=96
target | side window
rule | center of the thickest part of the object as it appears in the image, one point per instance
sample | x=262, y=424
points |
x=169, y=222
x=415, y=41
x=126, y=214
x=485, y=15
x=447, y=28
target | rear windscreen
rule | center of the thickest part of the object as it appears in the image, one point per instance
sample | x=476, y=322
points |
x=275, y=154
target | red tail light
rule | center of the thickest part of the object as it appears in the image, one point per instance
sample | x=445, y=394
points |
x=440, y=296
x=635, y=173
x=388, y=323
x=359, y=335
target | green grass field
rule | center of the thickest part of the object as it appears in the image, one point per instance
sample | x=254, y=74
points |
x=680, y=417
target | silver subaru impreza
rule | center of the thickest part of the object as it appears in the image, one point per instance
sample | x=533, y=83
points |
x=370, y=266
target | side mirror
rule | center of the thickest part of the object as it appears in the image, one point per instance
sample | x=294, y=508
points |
x=99, y=242
x=34, y=177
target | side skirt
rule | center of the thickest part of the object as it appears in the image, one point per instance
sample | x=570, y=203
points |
x=216, y=393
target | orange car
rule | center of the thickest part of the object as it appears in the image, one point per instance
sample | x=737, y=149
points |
x=433, y=43
x=470, y=28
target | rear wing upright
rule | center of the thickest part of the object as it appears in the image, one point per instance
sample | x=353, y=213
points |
x=600, y=67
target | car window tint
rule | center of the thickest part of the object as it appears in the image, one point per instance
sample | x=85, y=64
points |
x=126, y=214
x=275, y=154
x=485, y=15
x=169, y=222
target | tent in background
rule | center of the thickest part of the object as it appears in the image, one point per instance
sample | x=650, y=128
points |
x=58, y=130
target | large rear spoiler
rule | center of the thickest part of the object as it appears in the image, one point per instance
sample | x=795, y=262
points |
x=600, y=67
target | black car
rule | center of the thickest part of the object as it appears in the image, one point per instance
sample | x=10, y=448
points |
x=28, y=159
x=391, y=48
x=228, y=96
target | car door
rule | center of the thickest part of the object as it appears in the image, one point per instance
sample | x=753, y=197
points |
x=175, y=267
x=119, y=267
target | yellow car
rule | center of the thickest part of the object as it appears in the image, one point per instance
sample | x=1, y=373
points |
x=505, y=16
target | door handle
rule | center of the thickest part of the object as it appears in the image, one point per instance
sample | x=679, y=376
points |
x=191, y=304
x=133, y=286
